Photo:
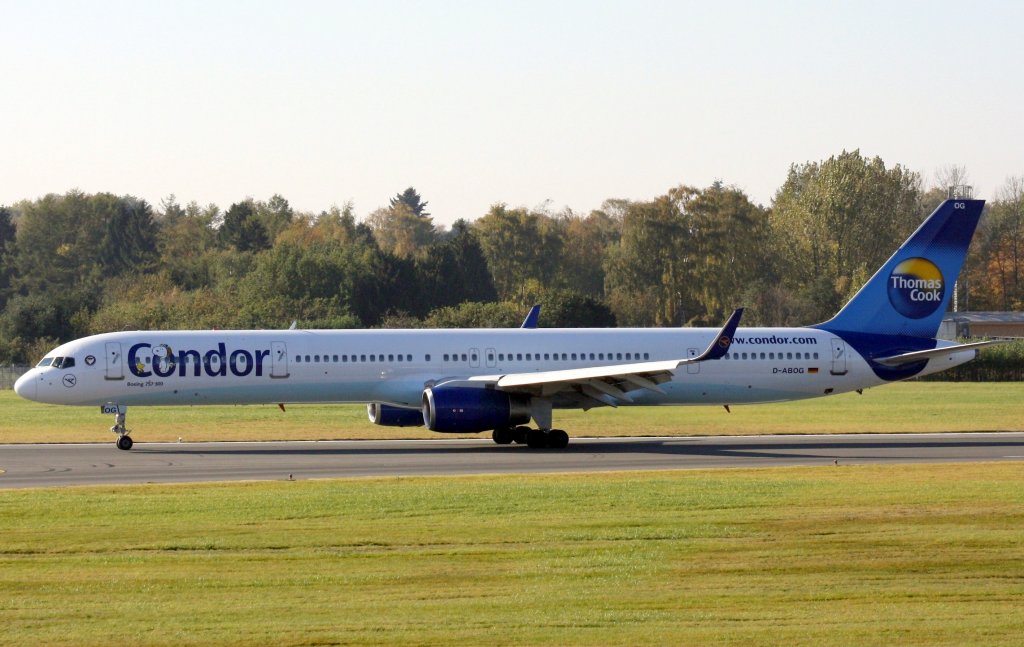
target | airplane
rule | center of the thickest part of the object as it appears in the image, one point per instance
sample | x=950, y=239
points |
x=498, y=380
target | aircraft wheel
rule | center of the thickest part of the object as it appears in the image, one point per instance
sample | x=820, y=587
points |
x=503, y=435
x=537, y=439
x=125, y=443
x=521, y=435
x=558, y=439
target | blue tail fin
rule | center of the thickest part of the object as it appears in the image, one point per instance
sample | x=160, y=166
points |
x=910, y=293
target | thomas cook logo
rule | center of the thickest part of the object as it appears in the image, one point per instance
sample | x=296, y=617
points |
x=916, y=288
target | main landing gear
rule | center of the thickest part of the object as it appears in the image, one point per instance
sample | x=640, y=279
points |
x=124, y=441
x=534, y=438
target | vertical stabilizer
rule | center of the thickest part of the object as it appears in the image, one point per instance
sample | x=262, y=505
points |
x=910, y=293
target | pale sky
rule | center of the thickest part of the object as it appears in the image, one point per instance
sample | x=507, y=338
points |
x=479, y=102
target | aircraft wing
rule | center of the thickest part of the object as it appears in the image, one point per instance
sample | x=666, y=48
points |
x=610, y=384
x=934, y=353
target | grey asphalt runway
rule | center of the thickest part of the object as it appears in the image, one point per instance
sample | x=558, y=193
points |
x=92, y=464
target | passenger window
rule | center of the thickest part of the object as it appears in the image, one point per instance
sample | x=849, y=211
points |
x=744, y=356
x=391, y=358
x=519, y=356
x=426, y=358
x=547, y=356
x=789, y=355
x=501, y=357
x=446, y=357
x=474, y=357
x=573, y=356
x=647, y=356
x=629, y=356
x=307, y=358
x=463, y=357
x=815, y=356
x=362, y=358
x=618, y=355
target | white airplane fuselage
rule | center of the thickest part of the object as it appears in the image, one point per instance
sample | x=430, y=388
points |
x=394, y=366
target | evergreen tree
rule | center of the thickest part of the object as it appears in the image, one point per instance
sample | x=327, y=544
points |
x=7, y=250
x=242, y=230
x=411, y=199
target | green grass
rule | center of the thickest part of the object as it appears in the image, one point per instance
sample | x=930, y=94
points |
x=911, y=555
x=904, y=407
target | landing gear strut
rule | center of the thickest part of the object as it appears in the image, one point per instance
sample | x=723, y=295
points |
x=124, y=441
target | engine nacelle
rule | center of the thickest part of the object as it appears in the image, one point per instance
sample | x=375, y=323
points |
x=461, y=409
x=389, y=415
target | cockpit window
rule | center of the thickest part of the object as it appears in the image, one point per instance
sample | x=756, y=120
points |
x=46, y=361
x=64, y=362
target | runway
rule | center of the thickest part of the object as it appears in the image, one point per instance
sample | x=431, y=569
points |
x=24, y=466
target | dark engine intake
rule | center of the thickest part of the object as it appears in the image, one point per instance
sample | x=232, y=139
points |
x=460, y=409
x=389, y=415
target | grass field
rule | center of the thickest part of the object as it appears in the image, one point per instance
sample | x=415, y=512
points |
x=867, y=555
x=904, y=407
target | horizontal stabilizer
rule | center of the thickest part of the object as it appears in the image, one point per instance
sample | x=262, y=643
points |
x=934, y=353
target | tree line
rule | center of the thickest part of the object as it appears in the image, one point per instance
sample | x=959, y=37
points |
x=74, y=264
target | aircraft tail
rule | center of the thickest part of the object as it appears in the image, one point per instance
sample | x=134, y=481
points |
x=910, y=293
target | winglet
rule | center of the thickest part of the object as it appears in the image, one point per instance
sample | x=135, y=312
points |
x=532, y=317
x=723, y=340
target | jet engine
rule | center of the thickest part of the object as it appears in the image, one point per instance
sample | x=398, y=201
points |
x=461, y=409
x=389, y=415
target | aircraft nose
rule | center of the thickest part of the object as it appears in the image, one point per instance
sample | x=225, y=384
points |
x=26, y=386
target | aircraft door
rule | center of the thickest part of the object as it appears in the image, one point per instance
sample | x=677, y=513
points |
x=491, y=357
x=115, y=363
x=278, y=359
x=838, y=357
x=693, y=368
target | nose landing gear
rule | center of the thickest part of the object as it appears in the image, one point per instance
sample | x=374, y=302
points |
x=124, y=441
